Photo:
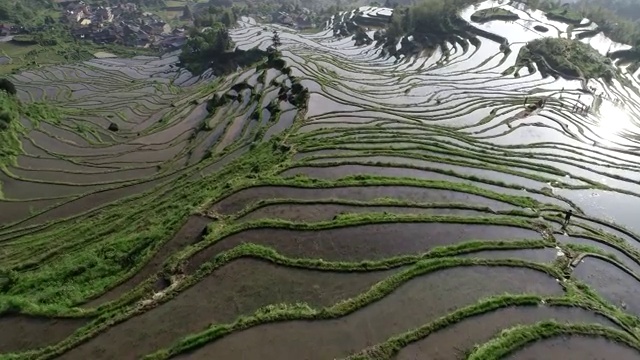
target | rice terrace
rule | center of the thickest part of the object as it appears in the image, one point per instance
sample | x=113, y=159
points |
x=442, y=180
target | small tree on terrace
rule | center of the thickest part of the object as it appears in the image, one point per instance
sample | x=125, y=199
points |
x=186, y=12
x=226, y=19
x=276, y=39
x=7, y=86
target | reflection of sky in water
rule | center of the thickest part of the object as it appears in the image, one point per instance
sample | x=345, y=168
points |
x=614, y=122
x=471, y=85
x=603, y=44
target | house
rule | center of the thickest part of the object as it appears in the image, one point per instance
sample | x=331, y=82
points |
x=5, y=29
x=76, y=12
x=82, y=32
x=103, y=14
x=73, y=5
x=304, y=22
x=74, y=17
x=80, y=7
x=105, y=36
x=85, y=22
x=173, y=43
x=131, y=29
x=285, y=19
x=147, y=28
x=156, y=27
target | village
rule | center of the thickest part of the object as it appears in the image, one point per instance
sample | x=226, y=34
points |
x=300, y=20
x=129, y=25
x=123, y=24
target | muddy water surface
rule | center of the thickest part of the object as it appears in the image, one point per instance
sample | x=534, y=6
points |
x=21, y=333
x=417, y=302
x=324, y=212
x=625, y=259
x=576, y=348
x=534, y=255
x=611, y=282
x=243, y=198
x=341, y=171
x=238, y=288
x=364, y=242
x=457, y=339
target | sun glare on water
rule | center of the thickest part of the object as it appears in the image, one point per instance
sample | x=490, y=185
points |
x=614, y=122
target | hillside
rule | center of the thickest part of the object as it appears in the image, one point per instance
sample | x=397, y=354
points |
x=441, y=181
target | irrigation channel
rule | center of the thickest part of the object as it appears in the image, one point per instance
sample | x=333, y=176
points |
x=411, y=209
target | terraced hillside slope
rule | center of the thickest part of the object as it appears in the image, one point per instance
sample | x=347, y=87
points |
x=342, y=205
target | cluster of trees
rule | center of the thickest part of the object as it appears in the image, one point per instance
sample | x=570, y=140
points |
x=6, y=116
x=570, y=58
x=627, y=9
x=618, y=19
x=7, y=86
x=139, y=3
x=26, y=12
x=203, y=47
x=216, y=15
x=618, y=28
x=425, y=17
x=39, y=12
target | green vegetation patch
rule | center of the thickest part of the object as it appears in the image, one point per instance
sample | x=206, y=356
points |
x=566, y=58
x=212, y=49
x=9, y=128
x=482, y=16
x=565, y=14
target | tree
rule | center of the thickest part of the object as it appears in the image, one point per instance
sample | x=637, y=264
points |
x=186, y=12
x=203, y=47
x=226, y=19
x=276, y=39
x=8, y=86
x=5, y=12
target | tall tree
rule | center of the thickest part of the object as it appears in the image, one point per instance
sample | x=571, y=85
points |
x=186, y=12
x=8, y=86
x=226, y=19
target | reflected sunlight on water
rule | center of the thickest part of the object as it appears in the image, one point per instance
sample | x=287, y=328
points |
x=614, y=121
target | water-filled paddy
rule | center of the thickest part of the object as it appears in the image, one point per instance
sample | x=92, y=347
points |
x=415, y=303
x=239, y=288
x=461, y=337
x=358, y=243
x=576, y=348
x=141, y=181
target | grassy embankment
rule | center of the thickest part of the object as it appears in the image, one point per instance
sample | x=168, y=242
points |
x=566, y=58
x=485, y=15
x=133, y=230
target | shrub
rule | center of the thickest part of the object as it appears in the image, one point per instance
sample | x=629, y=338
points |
x=6, y=117
x=7, y=86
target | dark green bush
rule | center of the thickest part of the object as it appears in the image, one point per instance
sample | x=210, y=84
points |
x=7, y=86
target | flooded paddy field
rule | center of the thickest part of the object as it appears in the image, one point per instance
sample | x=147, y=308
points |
x=344, y=205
